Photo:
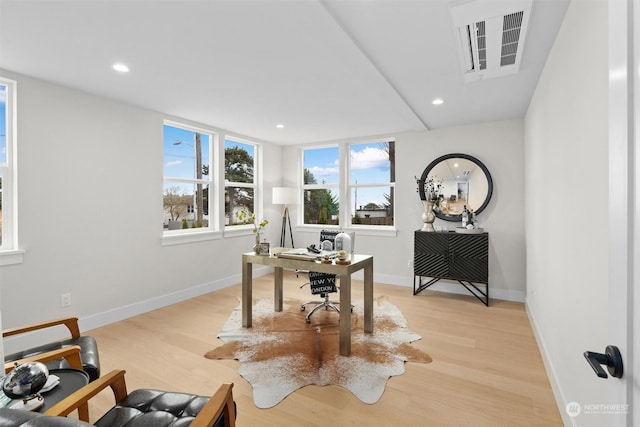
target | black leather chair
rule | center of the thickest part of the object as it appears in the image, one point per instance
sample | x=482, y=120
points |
x=140, y=408
x=87, y=344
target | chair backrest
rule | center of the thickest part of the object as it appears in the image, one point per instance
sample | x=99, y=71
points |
x=322, y=283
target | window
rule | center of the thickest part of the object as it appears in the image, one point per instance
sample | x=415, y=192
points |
x=321, y=182
x=8, y=205
x=188, y=185
x=368, y=181
x=240, y=179
x=372, y=182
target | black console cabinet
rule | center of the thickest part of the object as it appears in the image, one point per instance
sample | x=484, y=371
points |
x=453, y=256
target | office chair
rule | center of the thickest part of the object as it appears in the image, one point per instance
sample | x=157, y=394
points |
x=322, y=284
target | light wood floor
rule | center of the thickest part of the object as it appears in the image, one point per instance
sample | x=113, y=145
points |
x=486, y=370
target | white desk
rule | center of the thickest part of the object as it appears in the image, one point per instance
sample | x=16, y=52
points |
x=358, y=262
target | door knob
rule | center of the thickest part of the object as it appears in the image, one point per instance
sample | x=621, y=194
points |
x=611, y=358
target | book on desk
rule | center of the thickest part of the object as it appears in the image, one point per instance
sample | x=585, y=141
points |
x=299, y=254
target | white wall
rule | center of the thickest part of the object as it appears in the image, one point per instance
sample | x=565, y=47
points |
x=566, y=187
x=499, y=145
x=90, y=213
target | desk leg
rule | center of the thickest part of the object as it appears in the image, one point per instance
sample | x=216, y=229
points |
x=345, y=314
x=247, y=277
x=277, y=301
x=368, y=297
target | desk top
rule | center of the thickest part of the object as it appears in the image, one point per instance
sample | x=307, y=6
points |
x=358, y=262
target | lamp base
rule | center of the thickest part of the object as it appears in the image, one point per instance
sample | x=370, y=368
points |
x=30, y=404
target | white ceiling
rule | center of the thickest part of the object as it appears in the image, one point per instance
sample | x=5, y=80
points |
x=327, y=69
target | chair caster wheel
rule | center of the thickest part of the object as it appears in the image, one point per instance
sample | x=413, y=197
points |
x=308, y=320
x=302, y=307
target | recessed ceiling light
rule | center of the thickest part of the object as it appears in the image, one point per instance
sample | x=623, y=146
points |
x=437, y=101
x=121, y=67
x=455, y=165
x=280, y=126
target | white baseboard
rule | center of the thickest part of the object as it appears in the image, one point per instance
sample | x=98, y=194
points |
x=32, y=339
x=551, y=373
x=452, y=287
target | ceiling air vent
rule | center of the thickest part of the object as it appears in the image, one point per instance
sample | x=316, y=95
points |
x=490, y=36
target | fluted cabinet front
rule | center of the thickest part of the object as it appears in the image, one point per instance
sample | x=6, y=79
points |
x=452, y=256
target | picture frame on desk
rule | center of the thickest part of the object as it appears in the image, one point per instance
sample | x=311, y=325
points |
x=263, y=248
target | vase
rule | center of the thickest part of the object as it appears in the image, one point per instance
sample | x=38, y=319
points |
x=428, y=216
x=255, y=247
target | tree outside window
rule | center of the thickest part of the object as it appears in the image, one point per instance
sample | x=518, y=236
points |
x=239, y=178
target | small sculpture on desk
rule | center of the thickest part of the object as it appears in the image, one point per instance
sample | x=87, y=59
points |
x=342, y=258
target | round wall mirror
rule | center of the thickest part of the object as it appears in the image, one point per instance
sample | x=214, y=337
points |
x=454, y=181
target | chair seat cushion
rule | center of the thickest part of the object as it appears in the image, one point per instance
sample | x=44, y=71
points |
x=155, y=408
x=19, y=418
x=88, y=354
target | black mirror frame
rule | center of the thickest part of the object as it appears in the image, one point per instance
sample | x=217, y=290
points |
x=425, y=174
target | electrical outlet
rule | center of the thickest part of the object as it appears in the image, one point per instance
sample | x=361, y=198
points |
x=65, y=300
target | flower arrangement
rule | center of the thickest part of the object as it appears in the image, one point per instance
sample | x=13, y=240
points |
x=433, y=187
x=248, y=217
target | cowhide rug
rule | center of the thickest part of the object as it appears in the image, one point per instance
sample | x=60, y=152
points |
x=282, y=353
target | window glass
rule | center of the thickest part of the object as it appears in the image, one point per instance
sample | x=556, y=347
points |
x=3, y=124
x=1, y=197
x=321, y=166
x=240, y=179
x=321, y=178
x=4, y=165
x=187, y=180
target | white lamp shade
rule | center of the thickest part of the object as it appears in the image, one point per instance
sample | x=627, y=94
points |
x=285, y=196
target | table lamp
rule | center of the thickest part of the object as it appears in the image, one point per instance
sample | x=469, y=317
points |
x=24, y=383
x=285, y=196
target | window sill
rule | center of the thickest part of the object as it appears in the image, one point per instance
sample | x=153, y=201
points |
x=11, y=257
x=237, y=231
x=379, y=231
x=170, y=238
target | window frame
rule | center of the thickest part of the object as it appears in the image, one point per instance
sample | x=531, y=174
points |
x=351, y=186
x=345, y=188
x=9, y=248
x=258, y=206
x=212, y=229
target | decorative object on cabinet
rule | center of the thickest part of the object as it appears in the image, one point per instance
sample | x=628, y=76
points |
x=455, y=180
x=428, y=215
x=453, y=256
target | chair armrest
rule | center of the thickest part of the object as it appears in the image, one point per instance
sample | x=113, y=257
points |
x=220, y=403
x=70, y=322
x=72, y=354
x=114, y=379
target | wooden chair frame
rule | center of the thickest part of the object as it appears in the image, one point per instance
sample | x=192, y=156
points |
x=220, y=403
x=70, y=322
